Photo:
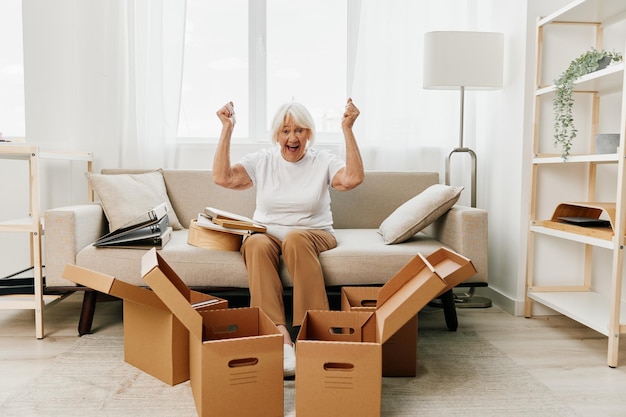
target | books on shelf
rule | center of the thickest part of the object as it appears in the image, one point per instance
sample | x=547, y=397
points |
x=149, y=229
x=224, y=221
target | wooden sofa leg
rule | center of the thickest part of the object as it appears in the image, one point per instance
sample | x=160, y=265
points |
x=87, y=312
x=449, y=310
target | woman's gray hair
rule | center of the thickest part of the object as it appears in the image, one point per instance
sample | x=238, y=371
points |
x=301, y=117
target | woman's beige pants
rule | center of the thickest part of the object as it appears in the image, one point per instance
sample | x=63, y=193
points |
x=300, y=250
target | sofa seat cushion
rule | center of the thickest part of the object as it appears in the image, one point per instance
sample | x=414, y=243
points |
x=362, y=258
x=198, y=267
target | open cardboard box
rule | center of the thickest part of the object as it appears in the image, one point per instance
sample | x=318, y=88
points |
x=155, y=341
x=235, y=355
x=339, y=353
x=400, y=350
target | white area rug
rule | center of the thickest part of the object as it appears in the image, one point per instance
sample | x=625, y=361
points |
x=459, y=374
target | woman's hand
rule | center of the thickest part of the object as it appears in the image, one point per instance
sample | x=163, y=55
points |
x=226, y=114
x=349, y=115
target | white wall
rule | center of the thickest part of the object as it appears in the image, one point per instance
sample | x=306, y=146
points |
x=66, y=86
x=505, y=149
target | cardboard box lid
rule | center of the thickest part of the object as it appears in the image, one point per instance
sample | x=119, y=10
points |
x=112, y=286
x=404, y=295
x=171, y=290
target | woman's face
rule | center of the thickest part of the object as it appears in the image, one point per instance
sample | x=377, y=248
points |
x=292, y=140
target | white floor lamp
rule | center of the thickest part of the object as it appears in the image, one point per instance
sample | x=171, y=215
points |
x=464, y=61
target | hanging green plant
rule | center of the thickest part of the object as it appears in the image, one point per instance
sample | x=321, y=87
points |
x=563, y=103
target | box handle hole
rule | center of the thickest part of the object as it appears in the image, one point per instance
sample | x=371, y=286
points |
x=368, y=303
x=338, y=366
x=341, y=330
x=229, y=328
x=236, y=363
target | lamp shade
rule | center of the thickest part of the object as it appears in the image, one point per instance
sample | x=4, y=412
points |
x=455, y=59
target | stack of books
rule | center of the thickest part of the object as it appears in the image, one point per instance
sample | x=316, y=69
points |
x=150, y=229
x=225, y=221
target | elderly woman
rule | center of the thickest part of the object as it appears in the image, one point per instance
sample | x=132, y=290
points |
x=293, y=183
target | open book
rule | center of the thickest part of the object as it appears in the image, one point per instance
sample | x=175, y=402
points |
x=225, y=221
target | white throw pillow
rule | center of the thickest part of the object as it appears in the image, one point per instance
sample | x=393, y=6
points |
x=418, y=212
x=125, y=196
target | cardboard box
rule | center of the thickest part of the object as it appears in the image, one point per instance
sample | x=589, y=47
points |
x=154, y=340
x=400, y=351
x=235, y=355
x=339, y=354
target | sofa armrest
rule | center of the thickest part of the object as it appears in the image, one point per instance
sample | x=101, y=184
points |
x=67, y=231
x=465, y=230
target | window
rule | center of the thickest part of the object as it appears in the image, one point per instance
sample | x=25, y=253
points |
x=12, y=113
x=260, y=54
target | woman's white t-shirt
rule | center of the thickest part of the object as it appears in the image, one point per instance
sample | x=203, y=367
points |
x=292, y=195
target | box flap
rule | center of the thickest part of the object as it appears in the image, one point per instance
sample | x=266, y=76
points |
x=152, y=259
x=404, y=295
x=110, y=285
x=88, y=278
x=161, y=278
x=451, y=266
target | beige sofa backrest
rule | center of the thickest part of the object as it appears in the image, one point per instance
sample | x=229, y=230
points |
x=364, y=207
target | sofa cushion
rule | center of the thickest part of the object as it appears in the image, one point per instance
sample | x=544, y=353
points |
x=125, y=196
x=418, y=212
x=361, y=257
x=197, y=266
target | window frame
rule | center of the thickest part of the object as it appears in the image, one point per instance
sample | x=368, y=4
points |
x=257, y=75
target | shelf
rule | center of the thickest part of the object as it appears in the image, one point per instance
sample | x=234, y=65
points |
x=35, y=299
x=596, y=236
x=600, y=311
x=609, y=79
x=588, y=308
x=26, y=301
x=603, y=239
x=600, y=11
x=606, y=158
x=67, y=156
x=25, y=224
x=11, y=150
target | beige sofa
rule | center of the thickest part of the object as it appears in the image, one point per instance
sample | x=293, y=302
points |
x=361, y=257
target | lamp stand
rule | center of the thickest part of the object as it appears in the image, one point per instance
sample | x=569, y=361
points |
x=468, y=299
x=463, y=149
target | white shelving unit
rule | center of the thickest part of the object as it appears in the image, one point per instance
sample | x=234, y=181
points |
x=34, y=227
x=591, y=298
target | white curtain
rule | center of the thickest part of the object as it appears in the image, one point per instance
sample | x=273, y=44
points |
x=151, y=44
x=403, y=126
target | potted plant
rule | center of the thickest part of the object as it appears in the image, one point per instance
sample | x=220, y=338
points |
x=563, y=103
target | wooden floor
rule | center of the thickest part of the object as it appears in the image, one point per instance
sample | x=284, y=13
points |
x=565, y=356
